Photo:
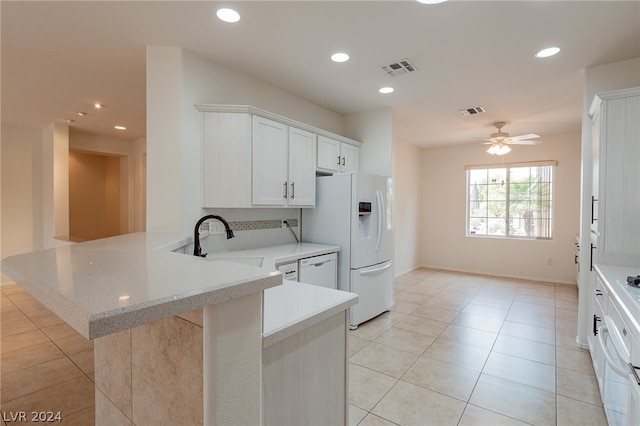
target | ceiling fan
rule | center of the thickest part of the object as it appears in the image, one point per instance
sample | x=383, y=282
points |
x=500, y=140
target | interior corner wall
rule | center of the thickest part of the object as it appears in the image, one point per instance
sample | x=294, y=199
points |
x=407, y=176
x=139, y=181
x=375, y=130
x=55, y=185
x=443, y=211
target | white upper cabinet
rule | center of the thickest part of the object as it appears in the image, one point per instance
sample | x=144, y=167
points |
x=615, y=119
x=336, y=156
x=302, y=168
x=254, y=158
x=350, y=157
x=284, y=161
x=226, y=160
x=269, y=162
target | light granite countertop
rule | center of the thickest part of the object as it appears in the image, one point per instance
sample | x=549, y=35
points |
x=113, y=284
x=278, y=255
x=625, y=297
x=293, y=306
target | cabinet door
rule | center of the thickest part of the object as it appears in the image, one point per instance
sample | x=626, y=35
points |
x=595, y=154
x=302, y=168
x=329, y=158
x=269, y=162
x=619, y=204
x=350, y=158
x=226, y=160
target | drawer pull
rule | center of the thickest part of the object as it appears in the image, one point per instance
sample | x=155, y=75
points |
x=596, y=319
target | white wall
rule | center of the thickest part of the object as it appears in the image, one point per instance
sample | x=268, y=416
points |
x=375, y=130
x=407, y=177
x=21, y=190
x=444, y=244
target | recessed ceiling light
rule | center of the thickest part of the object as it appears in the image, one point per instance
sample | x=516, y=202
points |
x=549, y=51
x=120, y=127
x=340, y=57
x=82, y=114
x=431, y=1
x=228, y=15
x=98, y=105
x=69, y=121
x=385, y=90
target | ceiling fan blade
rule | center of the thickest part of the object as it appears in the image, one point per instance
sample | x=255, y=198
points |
x=522, y=137
x=512, y=142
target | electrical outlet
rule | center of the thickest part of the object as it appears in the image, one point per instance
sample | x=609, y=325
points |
x=216, y=228
x=549, y=261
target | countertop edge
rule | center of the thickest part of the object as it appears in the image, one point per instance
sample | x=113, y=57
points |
x=112, y=322
x=276, y=335
x=630, y=309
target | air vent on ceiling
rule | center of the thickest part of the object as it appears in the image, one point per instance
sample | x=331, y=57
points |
x=398, y=68
x=472, y=111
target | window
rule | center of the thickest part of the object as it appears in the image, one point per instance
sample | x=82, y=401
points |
x=510, y=200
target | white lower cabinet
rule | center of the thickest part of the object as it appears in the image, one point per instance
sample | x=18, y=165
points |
x=305, y=376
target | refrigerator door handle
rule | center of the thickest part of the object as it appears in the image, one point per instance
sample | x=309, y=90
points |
x=380, y=207
x=371, y=271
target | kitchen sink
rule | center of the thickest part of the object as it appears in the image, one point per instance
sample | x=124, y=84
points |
x=251, y=261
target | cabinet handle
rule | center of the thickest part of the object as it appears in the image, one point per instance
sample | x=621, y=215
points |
x=343, y=161
x=285, y=190
x=293, y=190
x=597, y=292
x=634, y=372
x=575, y=259
x=338, y=160
x=593, y=201
x=591, y=257
x=596, y=320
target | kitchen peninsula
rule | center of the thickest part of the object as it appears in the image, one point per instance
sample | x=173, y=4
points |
x=180, y=339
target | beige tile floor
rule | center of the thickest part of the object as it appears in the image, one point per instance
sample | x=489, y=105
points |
x=45, y=365
x=456, y=349
x=462, y=349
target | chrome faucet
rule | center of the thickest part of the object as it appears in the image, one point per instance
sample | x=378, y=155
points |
x=197, y=250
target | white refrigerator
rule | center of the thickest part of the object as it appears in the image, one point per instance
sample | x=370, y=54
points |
x=353, y=211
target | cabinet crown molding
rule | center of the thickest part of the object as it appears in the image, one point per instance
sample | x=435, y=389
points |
x=248, y=109
x=613, y=94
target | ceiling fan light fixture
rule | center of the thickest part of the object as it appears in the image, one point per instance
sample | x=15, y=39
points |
x=499, y=149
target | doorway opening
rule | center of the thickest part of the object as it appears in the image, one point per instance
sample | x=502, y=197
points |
x=98, y=206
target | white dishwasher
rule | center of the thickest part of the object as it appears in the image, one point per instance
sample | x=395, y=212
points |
x=319, y=270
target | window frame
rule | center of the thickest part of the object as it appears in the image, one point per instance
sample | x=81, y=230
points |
x=508, y=201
